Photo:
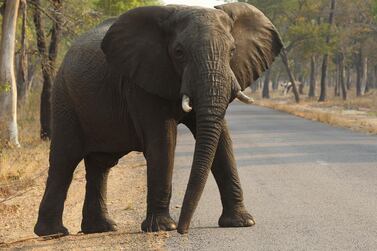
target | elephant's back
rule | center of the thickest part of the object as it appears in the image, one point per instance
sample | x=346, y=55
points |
x=85, y=63
x=94, y=35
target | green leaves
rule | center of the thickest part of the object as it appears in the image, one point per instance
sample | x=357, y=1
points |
x=374, y=10
x=5, y=87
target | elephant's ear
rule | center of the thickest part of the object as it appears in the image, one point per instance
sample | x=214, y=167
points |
x=136, y=45
x=257, y=41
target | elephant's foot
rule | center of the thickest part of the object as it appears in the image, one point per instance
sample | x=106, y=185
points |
x=236, y=218
x=98, y=225
x=53, y=230
x=154, y=223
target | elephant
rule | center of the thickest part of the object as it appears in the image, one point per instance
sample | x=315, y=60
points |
x=126, y=85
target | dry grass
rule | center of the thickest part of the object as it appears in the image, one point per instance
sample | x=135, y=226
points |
x=356, y=113
x=18, y=166
x=368, y=102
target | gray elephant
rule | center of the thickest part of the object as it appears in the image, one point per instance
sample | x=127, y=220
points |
x=126, y=85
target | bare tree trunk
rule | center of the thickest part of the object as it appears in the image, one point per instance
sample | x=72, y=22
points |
x=275, y=82
x=7, y=74
x=348, y=77
x=364, y=77
x=370, y=78
x=47, y=62
x=284, y=58
x=322, y=96
x=32, y=70
x=341, y=76
x=55, y=34
x=254, y=86
x=301, y=82
x=266, y=85
x=312, y=85
x=23, y=77
x=45, y=108
x=358, y=59
x=337, y=77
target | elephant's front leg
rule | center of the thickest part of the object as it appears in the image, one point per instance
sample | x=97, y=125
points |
x=225, y=172
x=161, y=141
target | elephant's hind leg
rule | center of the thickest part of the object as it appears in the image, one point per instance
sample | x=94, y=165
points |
x=65, y=154
x=95, y=215
x=50, y=214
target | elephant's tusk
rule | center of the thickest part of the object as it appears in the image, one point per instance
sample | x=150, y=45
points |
x=236, y=88
x=186, y=103
x=244, y=98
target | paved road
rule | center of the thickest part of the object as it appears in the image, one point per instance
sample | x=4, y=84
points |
x=308, y=185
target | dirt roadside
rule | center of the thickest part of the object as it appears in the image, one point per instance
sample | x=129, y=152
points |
x=126, y=203
x=355, y=119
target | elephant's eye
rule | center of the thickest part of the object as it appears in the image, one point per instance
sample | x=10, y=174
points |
x=232, y=51
x=178, y=53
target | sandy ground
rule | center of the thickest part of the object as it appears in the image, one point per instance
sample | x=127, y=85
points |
x=126, y=203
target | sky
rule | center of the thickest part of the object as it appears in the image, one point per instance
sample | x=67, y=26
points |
x=205, y=3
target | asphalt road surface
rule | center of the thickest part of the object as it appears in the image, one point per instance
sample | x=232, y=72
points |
x=309, y=186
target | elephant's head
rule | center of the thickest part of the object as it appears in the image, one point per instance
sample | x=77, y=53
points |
x=205, y=57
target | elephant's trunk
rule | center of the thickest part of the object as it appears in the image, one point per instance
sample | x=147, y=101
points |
x=210, y=110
